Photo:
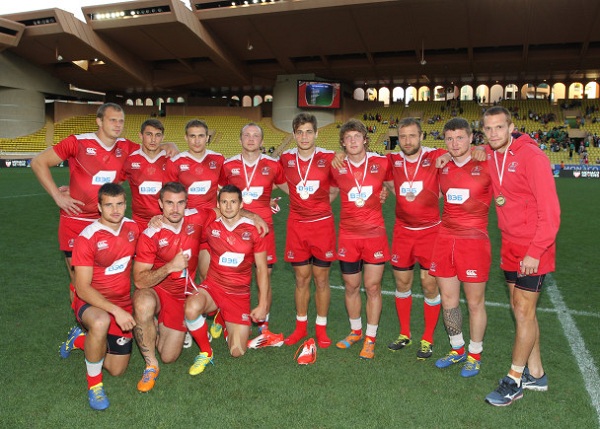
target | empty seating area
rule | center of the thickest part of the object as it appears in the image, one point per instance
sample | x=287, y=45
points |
x=381, y=121
x=32, y=143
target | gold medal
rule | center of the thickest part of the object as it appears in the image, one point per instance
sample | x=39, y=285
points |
x=359, y=202
x=500, y=200
x=410, y=196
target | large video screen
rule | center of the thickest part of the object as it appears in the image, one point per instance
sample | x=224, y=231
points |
x=319, y=95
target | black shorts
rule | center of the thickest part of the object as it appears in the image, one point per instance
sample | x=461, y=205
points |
x=528, y=283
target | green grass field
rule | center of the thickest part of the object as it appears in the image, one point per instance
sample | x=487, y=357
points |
x=266, y=388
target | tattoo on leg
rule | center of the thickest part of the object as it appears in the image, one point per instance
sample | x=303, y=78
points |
x=453, y=320
x=139, y=337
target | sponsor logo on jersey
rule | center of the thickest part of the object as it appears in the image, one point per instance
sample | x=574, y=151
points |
x=235, y=171
x=321, y=163
x=246, y=235
x=457, y=195
x=374, y=168
x=471, y=273
x=104, y=176
x=130, y=236
x=199, y=188
x=512, y=167
x=190, y=229
x=101, y=245
x=150, y=188
x=184, y=167
x=266, y=171
x=119, y=266
x=476, y=171
x=90, y=151
x=231, y=240
x=212, y=165
x=231, y=259
x=343, y=170
x=378, y=255
x=291, y=163
x=136, y=165
x=216, y=233
x=118, y=152
x=445, y=170
x=123, y=341
x=398, y=163
x=426, y=163
x=163, y=242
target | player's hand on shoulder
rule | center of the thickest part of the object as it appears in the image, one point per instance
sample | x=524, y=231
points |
x=442, y=160
x=478, y=153
x=261, y=226
x=170, y=148
x=338, y=160
x=156, y=222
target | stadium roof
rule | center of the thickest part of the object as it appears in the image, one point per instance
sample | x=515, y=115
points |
x=161, y=46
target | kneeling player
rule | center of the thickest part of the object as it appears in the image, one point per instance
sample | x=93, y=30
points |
x=102, y=259
x=235, y=245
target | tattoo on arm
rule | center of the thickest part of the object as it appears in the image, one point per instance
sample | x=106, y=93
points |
x=453, y=320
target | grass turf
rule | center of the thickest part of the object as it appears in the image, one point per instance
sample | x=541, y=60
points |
x=266, y=388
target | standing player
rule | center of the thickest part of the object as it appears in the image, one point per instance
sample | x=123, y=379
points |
x=462, y=250
x=310, y=240
x=164, y=269
x=198, y=169
x=144, y=169
x=94, y=159
x=235, y=245
x=528, y=217
x=363, y=244
x=102, y=302
x=256, y=175
x=414, y=181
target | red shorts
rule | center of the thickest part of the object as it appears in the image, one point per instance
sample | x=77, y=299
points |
x=172, y=310
x=512, y=254
x=411, y=246
x=270, y=242
x=68, y=230
x=79, y=306
x=234, y=308
x=310, y=239
x=371, y=251
x=467, y=258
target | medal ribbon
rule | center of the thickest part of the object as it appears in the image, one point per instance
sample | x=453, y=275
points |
x=501, y=172
x=305, y=178
x=249, y=180
x=410, y=181
x=359, y=186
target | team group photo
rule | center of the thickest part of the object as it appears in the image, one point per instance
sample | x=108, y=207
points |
x=320, y=254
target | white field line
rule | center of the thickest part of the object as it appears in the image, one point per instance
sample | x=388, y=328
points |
x=582, y=355
x=20, y=196
x=499, y=304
